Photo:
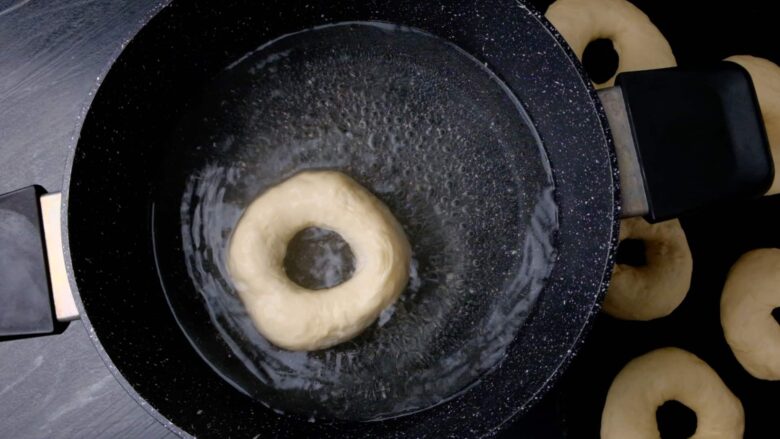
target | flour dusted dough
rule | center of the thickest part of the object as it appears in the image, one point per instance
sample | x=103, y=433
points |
x=656, y=289
x=293, y=317
x=766, y=79
x=751, y=292
x=666, y=374
x=638, y=43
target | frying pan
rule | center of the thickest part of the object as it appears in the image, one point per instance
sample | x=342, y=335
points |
x=528, y=222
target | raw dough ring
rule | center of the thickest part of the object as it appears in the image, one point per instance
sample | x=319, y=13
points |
x=751, y=292
x=766, y=79
x=656, y=289
x=293, y=317
x=638, y=43
x=666, y=374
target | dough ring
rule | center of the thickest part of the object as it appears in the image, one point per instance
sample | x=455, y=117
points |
x=638, y=43
x=751, y=292
x=293, y=317
x=653, y=290
x=766, y=79
x=648, y=381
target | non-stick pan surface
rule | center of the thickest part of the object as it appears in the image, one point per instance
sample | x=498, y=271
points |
x=137, y=243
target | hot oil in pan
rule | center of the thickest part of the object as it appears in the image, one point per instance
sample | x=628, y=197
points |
x=431, y=132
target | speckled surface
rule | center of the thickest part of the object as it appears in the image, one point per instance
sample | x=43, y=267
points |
x=469, y=184
x=122, y=299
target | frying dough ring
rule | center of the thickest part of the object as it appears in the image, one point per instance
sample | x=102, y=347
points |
x=638, y=43
x=766, y=79
x=653, y=290
x=666, y=374
x=751, y=292
x=293, y=317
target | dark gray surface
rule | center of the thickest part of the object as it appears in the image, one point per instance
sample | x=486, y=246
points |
x=51, y=53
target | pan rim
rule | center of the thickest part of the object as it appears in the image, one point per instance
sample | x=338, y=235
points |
x=558, y=370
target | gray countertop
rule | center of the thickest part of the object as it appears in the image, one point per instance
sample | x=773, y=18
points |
x=51, y=53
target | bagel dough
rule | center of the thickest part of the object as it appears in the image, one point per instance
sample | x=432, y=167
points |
x=751, y=292
x=293, y=317
x=653, y=290
x=766, y=80
x=667, y=374
x=638, y=43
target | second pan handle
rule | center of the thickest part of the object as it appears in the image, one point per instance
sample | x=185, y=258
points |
x=35, y=292
x=686, y=138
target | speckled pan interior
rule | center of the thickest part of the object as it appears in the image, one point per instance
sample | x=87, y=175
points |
x=153, y=82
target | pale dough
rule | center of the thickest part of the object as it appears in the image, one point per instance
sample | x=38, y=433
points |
x=653, y=290
x=751, y=292
x=667, y=374
x=766, y=80
x=638, y=43
x=293, y=317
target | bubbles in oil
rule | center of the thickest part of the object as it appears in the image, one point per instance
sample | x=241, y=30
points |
x=434, y=135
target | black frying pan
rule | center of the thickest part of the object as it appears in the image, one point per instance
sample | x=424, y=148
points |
x=517, y=197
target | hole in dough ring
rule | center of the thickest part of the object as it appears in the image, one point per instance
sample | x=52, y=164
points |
x=766, y=79
x=653, y=290
x=293, y=317
x=666, y=374
x=751, y=292
x=639, y=44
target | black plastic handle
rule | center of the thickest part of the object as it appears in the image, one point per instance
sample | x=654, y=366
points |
x=699, y=136
x=26, y=306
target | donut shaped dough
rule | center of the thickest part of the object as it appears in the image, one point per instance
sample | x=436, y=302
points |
x=667, y=374
x=653, y=290
x=293, y=317
x=766, y=79
x=751, y=292
x=638, y=43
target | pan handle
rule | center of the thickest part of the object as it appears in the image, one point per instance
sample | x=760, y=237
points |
x=686, y=138
x=35, y=294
